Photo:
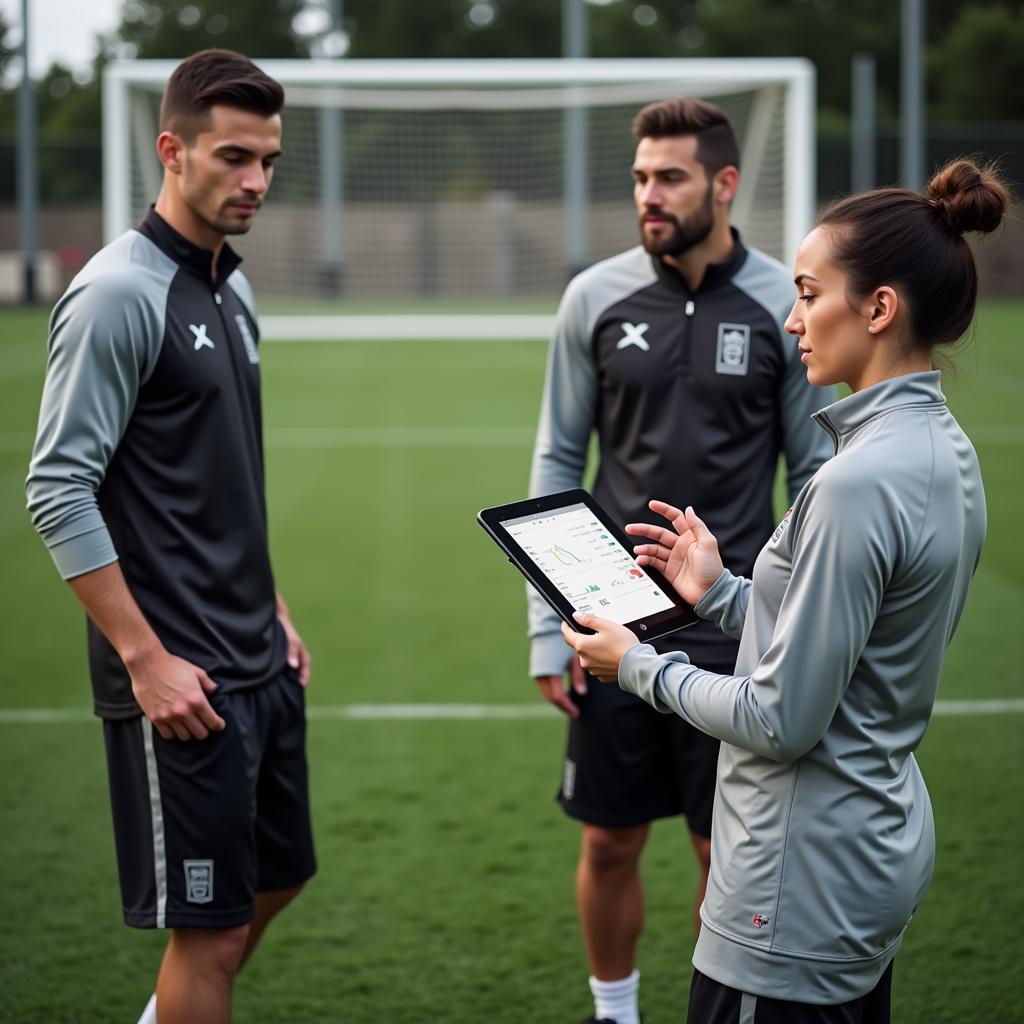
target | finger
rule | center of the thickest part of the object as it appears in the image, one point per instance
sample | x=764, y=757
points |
x=294, y=653
x=565, y=703
x=179, y=730
x=653, y=551
x=552, y=689
x=695, y=523
x=578, y=678
x=653, y=561
x=591, y=621
x=570, y=635
x=584, y=619
x=206, y=682
x=659, y=534
x=305, y=665
x=664, y=509
x=195, y=727
x=164, y=730
x=209, y=718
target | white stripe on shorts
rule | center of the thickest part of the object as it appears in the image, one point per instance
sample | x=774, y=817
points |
x=157, y=815
x=748, y=1007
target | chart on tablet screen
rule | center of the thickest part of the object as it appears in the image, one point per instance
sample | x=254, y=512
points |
x=590, y=568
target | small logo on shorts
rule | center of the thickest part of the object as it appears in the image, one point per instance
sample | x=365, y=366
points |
x=569, y=779
x=198, y=881
x=760, y=920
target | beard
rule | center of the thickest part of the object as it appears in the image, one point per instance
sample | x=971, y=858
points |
x=215, y=213
x=228, y=222
x=684, y=235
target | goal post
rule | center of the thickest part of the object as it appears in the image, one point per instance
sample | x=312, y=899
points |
x=466, y=181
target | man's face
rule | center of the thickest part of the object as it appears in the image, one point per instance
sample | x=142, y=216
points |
x=673, y=195
x=226, y=170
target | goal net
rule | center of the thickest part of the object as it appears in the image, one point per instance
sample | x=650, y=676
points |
x=469, y=185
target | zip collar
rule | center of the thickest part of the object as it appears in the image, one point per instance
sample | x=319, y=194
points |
x=716, y=274
x=187, y=254
x=843, y=418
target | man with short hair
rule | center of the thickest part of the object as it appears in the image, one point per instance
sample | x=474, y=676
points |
x=675, y=353
x=147, y=485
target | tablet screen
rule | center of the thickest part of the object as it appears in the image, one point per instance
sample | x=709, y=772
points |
x=590, y=568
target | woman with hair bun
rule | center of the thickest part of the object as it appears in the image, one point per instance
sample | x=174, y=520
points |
x=823, y=841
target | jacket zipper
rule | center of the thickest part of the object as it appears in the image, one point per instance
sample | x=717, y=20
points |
x=688, y=310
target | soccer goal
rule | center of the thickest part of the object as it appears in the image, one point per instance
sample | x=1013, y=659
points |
x=438, y=187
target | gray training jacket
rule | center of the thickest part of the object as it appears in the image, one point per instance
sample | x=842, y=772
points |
x=823, y=840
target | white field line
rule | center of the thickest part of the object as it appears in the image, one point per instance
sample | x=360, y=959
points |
x=463, y=712
x=406, y=327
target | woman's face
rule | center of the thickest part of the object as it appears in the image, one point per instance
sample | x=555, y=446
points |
x=834, y=337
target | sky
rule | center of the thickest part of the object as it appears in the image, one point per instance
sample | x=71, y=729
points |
x=62, y=30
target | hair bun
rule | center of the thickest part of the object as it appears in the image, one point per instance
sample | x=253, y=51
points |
x=969, y=196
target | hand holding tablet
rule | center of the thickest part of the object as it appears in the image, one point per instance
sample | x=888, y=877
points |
x=578, y=560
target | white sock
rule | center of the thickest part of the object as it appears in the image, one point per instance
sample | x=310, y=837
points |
x=149, y=1013
x=617, y=1000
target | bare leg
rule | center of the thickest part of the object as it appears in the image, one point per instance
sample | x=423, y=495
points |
x=268, y=905
x=200, y=964
x=610, y=898
x=198, y=973
x=702, y=847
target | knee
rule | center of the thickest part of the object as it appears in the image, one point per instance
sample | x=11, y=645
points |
x=227, y=949
x=213, y=951
x=613, y=849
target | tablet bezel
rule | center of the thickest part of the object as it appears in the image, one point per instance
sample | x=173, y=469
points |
x=650, y=627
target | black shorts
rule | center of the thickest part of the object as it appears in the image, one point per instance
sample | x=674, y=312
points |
x=627, y=764
x=714, y=1003
x=202, y=826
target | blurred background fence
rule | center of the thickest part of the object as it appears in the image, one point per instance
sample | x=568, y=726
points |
x=71, y=215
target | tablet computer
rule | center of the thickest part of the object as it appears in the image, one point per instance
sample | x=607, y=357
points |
x=567, y=546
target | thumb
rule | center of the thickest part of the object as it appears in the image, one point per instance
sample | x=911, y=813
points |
x=695, y=523
x=592, y=621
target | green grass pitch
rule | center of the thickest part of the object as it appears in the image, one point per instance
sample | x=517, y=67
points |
x=446, y=870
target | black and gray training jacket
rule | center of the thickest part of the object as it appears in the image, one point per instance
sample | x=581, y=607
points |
x=149, y=452
x=693, y=394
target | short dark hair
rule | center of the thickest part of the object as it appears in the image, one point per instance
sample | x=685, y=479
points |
x=215, y=77
x=915, y=242
x=684, y=115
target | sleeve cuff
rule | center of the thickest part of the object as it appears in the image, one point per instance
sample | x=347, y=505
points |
x=705, y=607
x=549, y=655
x=627, y=674
x=83, y=553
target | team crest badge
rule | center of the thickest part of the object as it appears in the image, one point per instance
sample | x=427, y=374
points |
x=760, y=920
x=733, y=349
x=199, y=881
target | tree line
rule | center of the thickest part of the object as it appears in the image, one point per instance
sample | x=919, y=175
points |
x=975, y=49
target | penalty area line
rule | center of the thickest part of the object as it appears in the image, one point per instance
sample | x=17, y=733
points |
x=462, y=712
